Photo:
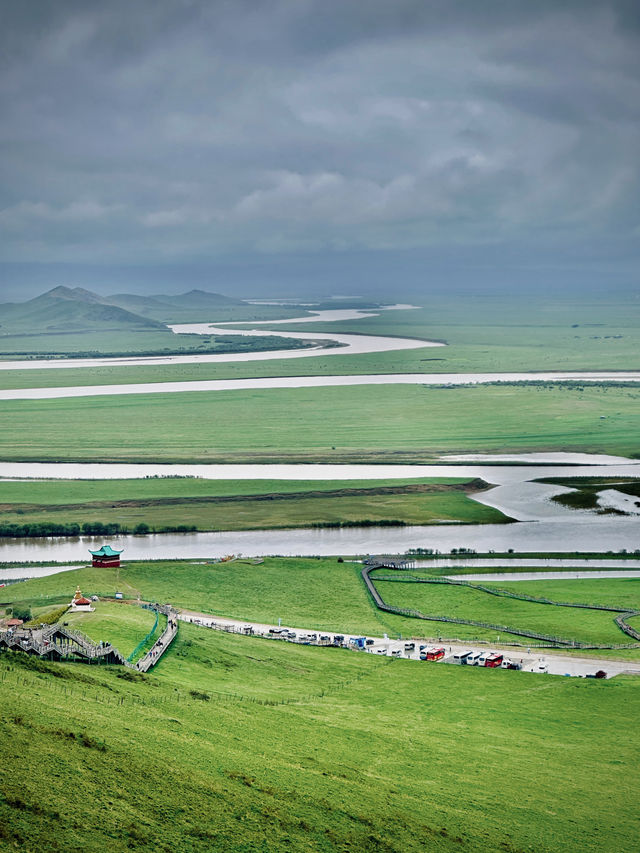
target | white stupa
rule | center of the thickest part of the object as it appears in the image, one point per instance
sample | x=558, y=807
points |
x=79, y=602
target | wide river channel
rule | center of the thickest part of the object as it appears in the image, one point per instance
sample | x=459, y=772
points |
x=540, y=524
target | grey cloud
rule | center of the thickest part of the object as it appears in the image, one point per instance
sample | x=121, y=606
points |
x=190, y=130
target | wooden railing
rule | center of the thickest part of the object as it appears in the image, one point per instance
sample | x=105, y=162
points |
x=163, y=642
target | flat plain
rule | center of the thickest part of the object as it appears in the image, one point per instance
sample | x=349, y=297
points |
x=241, y=504
x=362, y=423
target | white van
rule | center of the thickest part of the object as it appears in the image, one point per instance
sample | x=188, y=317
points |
x=461, y=657
x=474, y=658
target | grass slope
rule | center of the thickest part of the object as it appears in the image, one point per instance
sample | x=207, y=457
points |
x=122, y=625
x=68, y=309
x=351, y=753
x=198, y=306
x=325, y=595
x=610, y=592
x=586, y=626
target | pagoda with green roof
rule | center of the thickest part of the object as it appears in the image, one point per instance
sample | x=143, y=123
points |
x=106, y=556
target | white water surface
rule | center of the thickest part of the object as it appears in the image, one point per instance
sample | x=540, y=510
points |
x=633, y=571
x=614, y=499
x=347, y=344
x=261, y=383
x=579, y=535
x=514, y=493
x=25, y=572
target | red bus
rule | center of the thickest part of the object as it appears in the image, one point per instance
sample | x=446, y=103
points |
x=435, y=654
x=494, y=660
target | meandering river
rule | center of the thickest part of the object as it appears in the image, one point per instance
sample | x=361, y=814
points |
x=543, y=524
x=211, y=385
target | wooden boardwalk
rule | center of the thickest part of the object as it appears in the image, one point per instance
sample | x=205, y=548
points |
x=163, y=642
x=57, y=642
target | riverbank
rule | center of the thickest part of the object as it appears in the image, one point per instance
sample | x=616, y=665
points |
x=164, y=505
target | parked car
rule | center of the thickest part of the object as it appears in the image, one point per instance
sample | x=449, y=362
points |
x=409, y=647
x=369, y=642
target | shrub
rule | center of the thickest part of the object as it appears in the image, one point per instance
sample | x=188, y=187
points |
x=51, y=617
x=197, y=694
x=21, y=611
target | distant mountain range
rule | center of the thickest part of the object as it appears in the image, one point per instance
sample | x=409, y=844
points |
x=74, y=309
x=168, y=308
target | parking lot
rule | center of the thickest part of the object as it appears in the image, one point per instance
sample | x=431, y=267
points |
x=541, y=661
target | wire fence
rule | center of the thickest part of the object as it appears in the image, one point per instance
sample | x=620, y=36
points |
x=146, y=639
x=547, y=639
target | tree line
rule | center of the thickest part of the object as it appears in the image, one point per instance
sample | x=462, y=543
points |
x=90, y=528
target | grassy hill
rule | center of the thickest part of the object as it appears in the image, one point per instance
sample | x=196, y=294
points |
x=329, y=596
x=237, y=744
x=65, y=309
x=197, y=306
x=74, y=321
x=164, y=306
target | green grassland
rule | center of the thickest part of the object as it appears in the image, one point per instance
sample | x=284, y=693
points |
x=326, y=595
x=72, y=321
x=308, y=593
x=238, y=505
x=585, y=626
x=363, y=423
x=301, y=749
x=56, y=492
x=587, y=490
x=610, y=592
x=511, y=333
x=124, y=626
x=222, y=312
x=481, y=335
x=119, y=342
x=305, y=593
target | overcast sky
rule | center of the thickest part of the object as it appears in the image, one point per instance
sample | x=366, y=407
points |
x=335, y=145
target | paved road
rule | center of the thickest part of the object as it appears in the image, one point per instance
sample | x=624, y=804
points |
x=545, y=661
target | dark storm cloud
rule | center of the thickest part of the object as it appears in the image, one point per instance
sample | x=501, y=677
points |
x=160, y=131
